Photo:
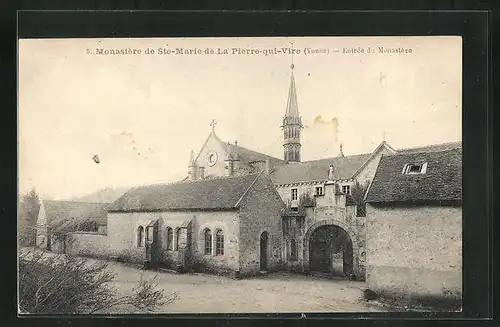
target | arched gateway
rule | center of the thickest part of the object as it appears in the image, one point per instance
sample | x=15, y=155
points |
x=330, y=246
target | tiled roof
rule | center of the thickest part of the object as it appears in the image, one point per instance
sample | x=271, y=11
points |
x=316, y=170
x=57, y=212
x=441, y=182
x=207, y=194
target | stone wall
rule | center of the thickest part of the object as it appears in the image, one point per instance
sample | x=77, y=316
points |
x=260, y=212
x=219, y=168
x=415, y=253
x=89, y=244
x=330, y=209
x=122, y=235
x=228, y=222
x=285, y=192
x=122, y=228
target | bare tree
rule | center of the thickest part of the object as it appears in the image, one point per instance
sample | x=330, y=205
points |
x=60, y=284
x=28, y=214
x=358, y=195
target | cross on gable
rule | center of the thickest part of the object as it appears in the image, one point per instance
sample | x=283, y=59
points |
x=213, y=123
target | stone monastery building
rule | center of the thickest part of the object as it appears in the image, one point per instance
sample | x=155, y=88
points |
x=243, y=212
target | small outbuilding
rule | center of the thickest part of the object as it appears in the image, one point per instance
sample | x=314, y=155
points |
x=414, y=227
x=227, y=225
x=56, y=219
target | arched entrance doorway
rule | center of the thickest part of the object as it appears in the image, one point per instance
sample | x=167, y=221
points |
x=331, y=251
x=263, y=251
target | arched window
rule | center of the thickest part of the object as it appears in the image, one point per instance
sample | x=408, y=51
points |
x=170, y=238
x=208, y=241
x=219, y=243
x=177, y=235
x=140, y=236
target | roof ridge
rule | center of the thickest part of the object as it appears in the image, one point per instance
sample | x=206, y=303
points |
x=71, y=201
x=429, y=145
x=188, y=181
x=330, y=158
x=254, y=151
x=420, y=152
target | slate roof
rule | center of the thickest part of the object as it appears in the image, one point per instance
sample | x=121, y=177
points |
x=207, y=194
x=317, y=170
x=441, y=182
x=57, y=212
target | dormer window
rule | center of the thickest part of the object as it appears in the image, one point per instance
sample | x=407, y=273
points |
x=295, y=194
x=414, y=169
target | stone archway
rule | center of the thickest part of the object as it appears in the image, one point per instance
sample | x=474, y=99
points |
x=341, y=225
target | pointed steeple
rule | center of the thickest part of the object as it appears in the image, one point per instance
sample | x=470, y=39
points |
x=292, y=108
x=292, y=124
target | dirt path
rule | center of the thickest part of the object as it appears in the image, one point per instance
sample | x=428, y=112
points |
x=279, y=292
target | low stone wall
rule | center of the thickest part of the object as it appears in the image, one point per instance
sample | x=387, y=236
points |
x=98, y=245
x=91, y=244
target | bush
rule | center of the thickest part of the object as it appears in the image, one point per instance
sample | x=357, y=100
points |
x=63, y=284
x=205, y=265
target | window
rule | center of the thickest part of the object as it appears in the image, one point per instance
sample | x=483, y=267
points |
x=208, y=241
x=140, y=236
x=319, y=190
x=219, y=243
x=411, y=169
x=170, y=238
x=177, y=236
x=293, y=250
x=346, y=189
x=295, y=193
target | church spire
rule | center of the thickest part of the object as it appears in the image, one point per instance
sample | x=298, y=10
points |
x=292, y=123
x=292, y=108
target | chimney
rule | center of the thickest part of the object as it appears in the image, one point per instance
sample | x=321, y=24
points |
x=268, y=166
x=229, y=164
x=201, y=172
x=192, y=168
x=236, y=142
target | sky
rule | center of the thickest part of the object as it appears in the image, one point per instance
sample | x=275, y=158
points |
x=142, y=114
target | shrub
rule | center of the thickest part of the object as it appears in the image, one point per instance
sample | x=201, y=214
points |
x=69, y=285
x=358, y=192
x=205, y=265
